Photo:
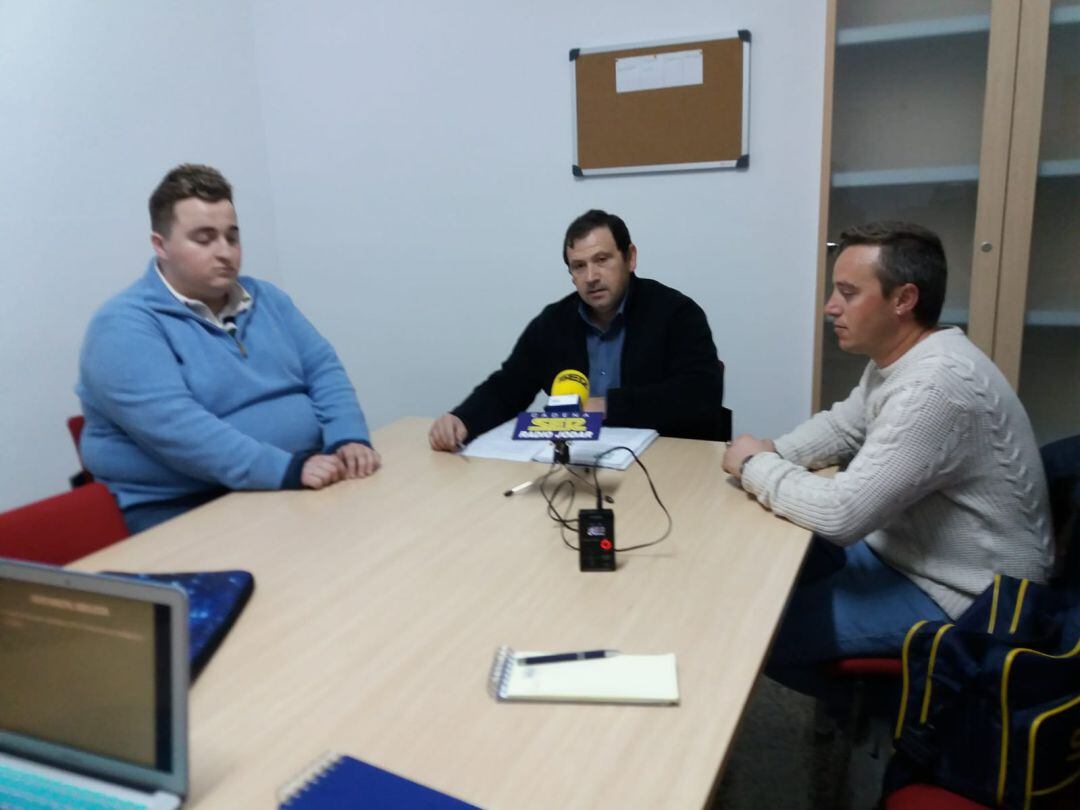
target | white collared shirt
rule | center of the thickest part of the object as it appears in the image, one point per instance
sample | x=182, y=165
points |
x=237, y=300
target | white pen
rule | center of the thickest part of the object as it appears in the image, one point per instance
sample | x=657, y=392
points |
x=522, y=486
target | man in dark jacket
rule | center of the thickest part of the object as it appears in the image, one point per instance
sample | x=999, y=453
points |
x=646, y=348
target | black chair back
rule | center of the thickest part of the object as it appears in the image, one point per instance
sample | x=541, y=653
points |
x=1061, y=459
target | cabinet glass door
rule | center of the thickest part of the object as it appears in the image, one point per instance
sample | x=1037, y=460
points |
x=910, y=81
x=1050, y=353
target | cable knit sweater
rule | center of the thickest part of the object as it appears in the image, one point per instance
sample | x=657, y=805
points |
x=944, y=482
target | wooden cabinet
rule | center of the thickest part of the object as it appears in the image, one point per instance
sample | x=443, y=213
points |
x=1038, y=342
x=935, y=113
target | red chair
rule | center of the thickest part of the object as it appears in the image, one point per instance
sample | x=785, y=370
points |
x=1061, y=461
x=75, y=428
x=868, y=681
x=62, y=528
x=864, y=674
x=929, y=797
x=865, y=667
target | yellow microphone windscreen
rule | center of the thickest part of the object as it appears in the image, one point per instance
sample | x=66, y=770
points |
x=571, y=382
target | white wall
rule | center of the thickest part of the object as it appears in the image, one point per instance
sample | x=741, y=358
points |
x=97, y=101
x=420, y=153
x=409, y=196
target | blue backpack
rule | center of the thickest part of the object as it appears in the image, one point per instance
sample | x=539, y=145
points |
x=990, y=705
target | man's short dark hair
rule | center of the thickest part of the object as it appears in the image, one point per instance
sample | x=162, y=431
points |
x=186, y=180
x=589, y=222
x=910, y=254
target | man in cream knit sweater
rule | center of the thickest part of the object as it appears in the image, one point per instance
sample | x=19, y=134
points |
x=943, y=486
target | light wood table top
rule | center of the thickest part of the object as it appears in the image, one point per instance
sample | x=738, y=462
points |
x=379, y=605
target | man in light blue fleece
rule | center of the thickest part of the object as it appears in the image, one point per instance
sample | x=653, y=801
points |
x=195, y=381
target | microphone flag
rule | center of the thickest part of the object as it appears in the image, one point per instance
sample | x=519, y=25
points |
x=564, y=418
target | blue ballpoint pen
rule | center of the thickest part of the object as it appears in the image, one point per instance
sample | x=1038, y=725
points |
x=558, y=658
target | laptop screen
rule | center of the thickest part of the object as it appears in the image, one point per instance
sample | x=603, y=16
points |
x=82, y=670
x=94, y=674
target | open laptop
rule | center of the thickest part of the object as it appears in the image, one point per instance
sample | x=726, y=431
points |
x=93, y=690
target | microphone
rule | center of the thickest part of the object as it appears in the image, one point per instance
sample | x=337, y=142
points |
x=569, y=391
x=596, y=527
x=563, y=418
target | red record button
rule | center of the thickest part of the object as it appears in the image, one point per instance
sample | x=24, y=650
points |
x=606, y=544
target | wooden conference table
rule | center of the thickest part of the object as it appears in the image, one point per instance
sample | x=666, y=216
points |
x=379, y=605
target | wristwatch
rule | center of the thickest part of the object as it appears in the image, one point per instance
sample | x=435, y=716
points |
x=742, y=467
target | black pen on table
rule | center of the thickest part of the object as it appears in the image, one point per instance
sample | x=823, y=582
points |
x=558, y=658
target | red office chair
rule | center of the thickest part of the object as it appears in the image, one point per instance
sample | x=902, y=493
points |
x=929, y=797
x=75, y=427
x=864, y=674
x=1061, y=461
x=865, y=667
x=62, y=528
x=867, y=678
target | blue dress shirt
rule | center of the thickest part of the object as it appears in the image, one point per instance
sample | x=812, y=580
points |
x=605, y=350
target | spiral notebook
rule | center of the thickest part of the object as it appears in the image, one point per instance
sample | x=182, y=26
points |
x=339, y=781
x=650, y=679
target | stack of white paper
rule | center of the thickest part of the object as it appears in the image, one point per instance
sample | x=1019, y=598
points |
x=499, y=442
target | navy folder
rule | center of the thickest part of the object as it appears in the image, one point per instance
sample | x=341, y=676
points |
x=215, y=599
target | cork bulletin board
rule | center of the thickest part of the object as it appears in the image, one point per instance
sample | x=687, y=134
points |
x=662, y=106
